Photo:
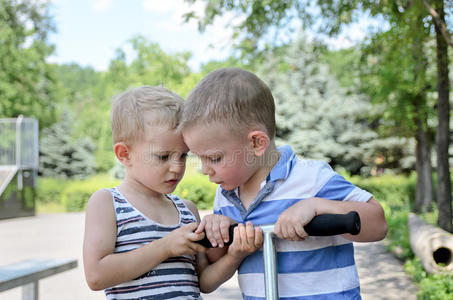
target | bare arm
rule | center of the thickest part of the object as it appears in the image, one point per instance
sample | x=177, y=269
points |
x=103, y=268
x=219, y=264
x=247, y=240
x=213, y=267
x=373, y=224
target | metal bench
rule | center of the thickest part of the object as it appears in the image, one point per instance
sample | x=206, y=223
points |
x=27, y=273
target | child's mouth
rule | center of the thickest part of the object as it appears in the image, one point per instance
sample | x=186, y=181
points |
x=172, y=182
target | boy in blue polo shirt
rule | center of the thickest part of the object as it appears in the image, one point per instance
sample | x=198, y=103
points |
x=228, y=121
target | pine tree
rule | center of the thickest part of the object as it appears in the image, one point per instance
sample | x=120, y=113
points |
x=319, y=118
x=60, y=156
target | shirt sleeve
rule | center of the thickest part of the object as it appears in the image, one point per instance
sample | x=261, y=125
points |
x=338, y=188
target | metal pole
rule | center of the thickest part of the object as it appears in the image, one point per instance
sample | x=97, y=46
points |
x=270, y=263
x=30, y=291
x=18, y=151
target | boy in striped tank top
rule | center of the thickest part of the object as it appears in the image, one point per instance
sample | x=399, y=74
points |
x=139, y=239
x=228, y=120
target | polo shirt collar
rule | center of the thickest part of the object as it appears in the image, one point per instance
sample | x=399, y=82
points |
x=284, y=165
x=280, y=171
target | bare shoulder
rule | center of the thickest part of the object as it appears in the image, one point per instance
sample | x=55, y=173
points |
x=193, y=208
x=100, y=199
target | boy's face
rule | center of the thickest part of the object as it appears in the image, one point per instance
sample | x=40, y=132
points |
x=225, y=157
x=158, y=159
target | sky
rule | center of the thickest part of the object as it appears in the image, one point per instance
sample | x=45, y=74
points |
x=89, y=31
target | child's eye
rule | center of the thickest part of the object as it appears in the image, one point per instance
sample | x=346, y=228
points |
x=163, y=157
x=184, y=155
x=215, y=159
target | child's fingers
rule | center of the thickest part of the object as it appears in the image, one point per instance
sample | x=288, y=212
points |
x=209, y=229
x=218, y=234
x=301, y=232
x=278, y=230
x=201, y=226
x=193, y=236
x=258, y=237
x=250, y=233
x=225, y=232
x=197, y=247
x=190, y=227
x=242, y=233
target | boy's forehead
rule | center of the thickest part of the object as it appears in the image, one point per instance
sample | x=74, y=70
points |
x=211, y=141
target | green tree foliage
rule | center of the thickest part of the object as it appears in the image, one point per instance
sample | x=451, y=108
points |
x=316, y=115
x=88, y=92
x=147, y=64
x=61, y=155
x=260, y=18
x=26, y=80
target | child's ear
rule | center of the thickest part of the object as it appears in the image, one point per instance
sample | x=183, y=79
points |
x=259, y=141
x=122, y=153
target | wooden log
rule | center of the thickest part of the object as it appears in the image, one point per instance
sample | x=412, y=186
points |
x=431, y=244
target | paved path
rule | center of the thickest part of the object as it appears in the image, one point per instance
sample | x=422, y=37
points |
x=61, y=236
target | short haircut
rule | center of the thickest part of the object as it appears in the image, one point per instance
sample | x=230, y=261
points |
x=127, y=111
x=234, y=97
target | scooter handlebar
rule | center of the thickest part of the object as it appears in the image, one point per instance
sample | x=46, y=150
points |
x=322, y=225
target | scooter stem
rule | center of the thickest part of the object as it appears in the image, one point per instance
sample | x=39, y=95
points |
x=270, y=263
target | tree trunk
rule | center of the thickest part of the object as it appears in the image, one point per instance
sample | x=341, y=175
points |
x=443, y=129
x=424, y=190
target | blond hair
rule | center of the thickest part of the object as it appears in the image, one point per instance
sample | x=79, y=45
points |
x=234, y=97
x=127, y=111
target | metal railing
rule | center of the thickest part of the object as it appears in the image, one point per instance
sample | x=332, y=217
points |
x=19, y=143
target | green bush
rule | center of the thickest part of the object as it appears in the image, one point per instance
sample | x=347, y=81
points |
x=49, y=190
x=75, y=196
x=198, y=189
x=105, y=161
x=71, y=194
x=432, y=287
x=396, y=194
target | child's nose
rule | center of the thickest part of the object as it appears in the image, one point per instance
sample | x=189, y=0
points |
x=206, y=170
x=177, y=166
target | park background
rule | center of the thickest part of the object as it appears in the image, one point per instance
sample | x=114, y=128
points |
x=363, y=85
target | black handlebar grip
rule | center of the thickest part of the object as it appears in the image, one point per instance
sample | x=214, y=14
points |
x=333, y=224
x=322, y=225
x=207, y=244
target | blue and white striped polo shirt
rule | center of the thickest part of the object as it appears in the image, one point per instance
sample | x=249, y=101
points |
x=316, y=268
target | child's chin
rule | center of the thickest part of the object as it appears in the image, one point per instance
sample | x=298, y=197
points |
x=227, y=187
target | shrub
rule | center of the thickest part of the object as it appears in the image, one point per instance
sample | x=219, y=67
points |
x=49, y=190
x=71, y=194
x=198, y=189
x=396, y=194
x=75, y=196
x=432, y=287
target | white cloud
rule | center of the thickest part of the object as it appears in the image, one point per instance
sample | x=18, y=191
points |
x=101, y=5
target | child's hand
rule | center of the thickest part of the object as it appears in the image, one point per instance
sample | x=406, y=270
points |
x=216, y=228
x=182, y=241
x=291, y=222
x=247, y=240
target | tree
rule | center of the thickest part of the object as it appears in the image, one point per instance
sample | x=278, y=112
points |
x=26, y=80
x=404, y=89
x=317, y=116
x=260, y=18
x=443, y=128
x=60, y=155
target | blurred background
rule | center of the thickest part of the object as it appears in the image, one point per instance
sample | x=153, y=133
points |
x=363, y=85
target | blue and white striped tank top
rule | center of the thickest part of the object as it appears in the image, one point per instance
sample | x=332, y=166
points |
x=174, y=278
